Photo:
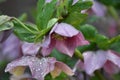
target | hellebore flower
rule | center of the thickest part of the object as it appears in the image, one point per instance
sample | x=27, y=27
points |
x=65, y=38
x=108, y=60
x=11, y=48
x=38, y=67
x=98, y=8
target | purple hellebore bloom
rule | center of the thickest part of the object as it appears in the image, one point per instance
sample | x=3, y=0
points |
x=108, y=60
x=11, y=48
x=64, y=38
x=38, y=67
x=30, y=48
x=98, y=8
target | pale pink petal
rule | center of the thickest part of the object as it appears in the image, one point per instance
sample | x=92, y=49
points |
x=113, y=57
x=65, y=47
x=39, y=67
x=88, y=64
x=68, y=45
x=64, y=68
x=30, y=48
x=47, y=50
x=111, y=68
x=94, y=61
x=66, y=30
x=79, y=40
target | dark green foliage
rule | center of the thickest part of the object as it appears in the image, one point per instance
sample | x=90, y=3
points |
x=75, y=18
x=5, y=23
x=110, y=2
x=81, y=5
x=23, y=34
x=45, y=13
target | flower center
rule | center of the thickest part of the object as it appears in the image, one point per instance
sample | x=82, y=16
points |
x=58, y=37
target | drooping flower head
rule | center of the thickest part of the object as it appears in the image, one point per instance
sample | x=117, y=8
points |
x=108, y=60
x=38, y=67
x=64, y=38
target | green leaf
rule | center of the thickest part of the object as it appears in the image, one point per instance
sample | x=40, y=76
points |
x=5, y=23
x=23, y=34
x=75, y=18
x=110, y=2
x=6, y=26
x=114, y=43
x=102, y=41
x=4, y=19
x=115, y=46
x=45, y=13
x=89, y=32
x=52, y=22
x=90, y=47
x=81, y=5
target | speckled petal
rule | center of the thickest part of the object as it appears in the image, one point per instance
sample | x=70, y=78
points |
x=65, y=29
x=39, y=67
x=30, y=48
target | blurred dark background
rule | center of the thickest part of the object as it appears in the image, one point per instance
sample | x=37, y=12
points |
x=17, y=7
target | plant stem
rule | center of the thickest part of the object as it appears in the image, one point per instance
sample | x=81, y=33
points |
x=97, y=73
x=78, y=54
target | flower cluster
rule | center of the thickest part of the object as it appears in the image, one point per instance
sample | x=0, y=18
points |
x=59, y=25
